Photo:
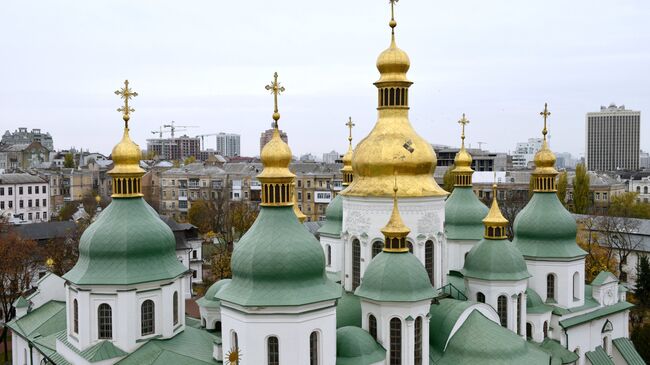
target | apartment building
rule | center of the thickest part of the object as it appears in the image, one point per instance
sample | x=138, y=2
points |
x=316, y=185
x=612, y=139
x=24, y=198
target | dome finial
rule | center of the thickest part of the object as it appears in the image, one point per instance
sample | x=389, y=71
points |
x=276, y=90
x=545, y=172
x=392, y=22
x=545, y=113
x=495, y=223
x=395, y=231
x=463, y=160
x=348, y=173
x=463, y=121
x=126, y=93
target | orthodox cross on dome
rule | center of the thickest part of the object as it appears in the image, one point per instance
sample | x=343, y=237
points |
x=392, y=22
x=463, y=121
x=545, y=113
x=275, y=89
x=126, y=93
x=350, y=124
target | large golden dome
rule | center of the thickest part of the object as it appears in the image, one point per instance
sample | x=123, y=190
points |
x=126, y=156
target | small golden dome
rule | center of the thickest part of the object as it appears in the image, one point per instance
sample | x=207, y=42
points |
x=276, y=157
x=395, y=228
x=495, y=222
x=347, y=158
x=545, y=159
x=126, y=156
x=393, y=63
x=463, y=161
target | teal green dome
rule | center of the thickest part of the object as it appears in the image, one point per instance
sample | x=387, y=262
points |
x=278, y=263
x=127, y=244
x=348, y=311
x=209, y=299
x=395, y=277
x=497, y=260
x=464, y=215
x=355, y=346
x=544, y=229
x=333, y=218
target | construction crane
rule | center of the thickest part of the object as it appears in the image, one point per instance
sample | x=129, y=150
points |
x=205, y=135
x=480, y=145
x=172, y=126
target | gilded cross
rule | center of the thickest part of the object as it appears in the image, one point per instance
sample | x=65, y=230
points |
x=126, y=93
x=392, y=22
x=463, y=121
x=275, y=89
x=349, y=124
x=545, y=113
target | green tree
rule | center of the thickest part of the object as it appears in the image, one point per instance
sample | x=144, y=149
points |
x=66, y=212
x=562, y=182
x=641, y=338
x=581, y=190
x=626, y=205
x=642, y=291
x=68, y=161
x=448, y=179
x=189, y=160
x=202, y=214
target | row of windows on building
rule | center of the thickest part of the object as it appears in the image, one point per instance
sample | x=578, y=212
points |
x=105, y=318
x=273, y=348
x=21, y=203
x=37, y=190
x=395, y=327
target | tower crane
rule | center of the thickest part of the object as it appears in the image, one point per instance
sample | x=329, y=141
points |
x=172, y=126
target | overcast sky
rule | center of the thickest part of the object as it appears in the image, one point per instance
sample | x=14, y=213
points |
x=206, y=63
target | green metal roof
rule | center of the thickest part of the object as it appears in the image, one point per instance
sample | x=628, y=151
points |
x=444, y=316
x=481, y=341
x=355, y=346
x=598, y=313
x=395, y=277
x=599, y=357
x=495, y=260
x=42, y=321
x=602, y=277
x=209, y=300
x=626, y=348
x=545, y=230
x=20, y=302
x=557, y=351
x=333, y=218
x=128, y=244
x=278, y=263
x=590, y=302
x=534, y=303
x=348, y=311
x=190, y=347
x=102, y=350
x=464, y=214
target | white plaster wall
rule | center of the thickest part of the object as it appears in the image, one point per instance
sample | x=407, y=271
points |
x=588, y=336
x=537, y=321
x=385, y=311
x=336, y=265
x=291, y=329
x=364, y=217
x=19, y=350
x=493, y=290
x=563, y=271
x=49, y=287
x=456, y=251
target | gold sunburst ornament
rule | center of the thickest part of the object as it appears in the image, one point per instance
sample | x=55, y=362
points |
x=233, y=356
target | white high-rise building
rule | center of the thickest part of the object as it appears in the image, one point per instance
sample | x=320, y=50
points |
x=228, y=144
x=525, y=152
x=331, y=157
x=612, y=139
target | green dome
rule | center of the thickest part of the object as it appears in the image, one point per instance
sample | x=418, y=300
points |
x=278, y=263
x=496, y=260
x=127, y=244
x=334, y=217
x=544, y=229
x=209, y=299
x=464, y=215
x=395, y=277
x=348, y=311
x=355, y=346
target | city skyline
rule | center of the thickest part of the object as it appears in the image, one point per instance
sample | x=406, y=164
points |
x=466, y=59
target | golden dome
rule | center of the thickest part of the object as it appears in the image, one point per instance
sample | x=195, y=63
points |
x=545, y=159
x=126, y=156
x=395, y=228
x=463, y=161
x=545, y=172
x=393, y=63
x=495, y=222
x=276, y=157
x=347, y=171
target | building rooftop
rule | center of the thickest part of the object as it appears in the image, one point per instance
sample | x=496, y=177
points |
x=20, y=179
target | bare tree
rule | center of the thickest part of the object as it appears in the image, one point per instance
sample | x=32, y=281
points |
x=619, y=235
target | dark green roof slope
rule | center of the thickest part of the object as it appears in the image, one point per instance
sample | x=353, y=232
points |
x=464, y=214
x=333, y=218
x=495, y=260
x=102, y=350
x=545, y=230
x=599, y=357
x=209, y=300
x=558, y=352
x=348, y=311
x=444, y=316
x=190, y=347
x=627, y=350
x=128, y=244
x=598, y=313
x=481, y=341
x=395, y=277
x=277, y=263
x=355, y=346
x=534, y=303
x=42, y=321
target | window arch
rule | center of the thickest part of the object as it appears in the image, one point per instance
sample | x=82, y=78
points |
x=606, y=344
x=175, y=307
x=545, y=329
x=372, y=326
x=328, y=251
x=147, y=318
x=519, y=296
x=409, y=244
x=234, y=340
x=502, y=310
x=377, y=246
x=75, y=316
x=395, y=342
x=428, y=259
x=313, y=349
x=645, y=190
x=550, y=287
x=576, y=286
x=273, y=350
x=418, y=341
x=480, y=297
x=529, y=330
x=356, y=263
x=398, y=99
x=638, y=189
x=104, y=322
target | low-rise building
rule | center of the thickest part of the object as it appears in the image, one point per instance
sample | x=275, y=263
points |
x=188, y=251
x=24, y=198
x=23, y=156
x=22, y=136
x=482, y=160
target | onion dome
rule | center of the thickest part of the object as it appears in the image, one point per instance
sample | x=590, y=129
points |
x=544, y=229
x=128, y=243
x=278, y=262
x=463, y=161
x=355, y=346
x=333, y=218
x=393, y=146
x=494, y=257
x=348, y=311
x=395, y=275
x=209, y=299
x=347, y=171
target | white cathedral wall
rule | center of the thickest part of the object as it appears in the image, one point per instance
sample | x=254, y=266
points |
x=537, y=322
x=364, y=217
x=291, y=325
x=493, y=289
x=456, y=251
x=586, y=337
x=564, y=280
x=336, y=245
